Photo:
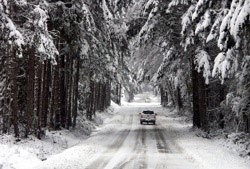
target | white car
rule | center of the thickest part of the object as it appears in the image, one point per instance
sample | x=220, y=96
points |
x=148, y=116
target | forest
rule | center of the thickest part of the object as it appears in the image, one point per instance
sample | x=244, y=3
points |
x=62, y=60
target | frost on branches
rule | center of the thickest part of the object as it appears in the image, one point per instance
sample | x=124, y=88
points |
x=14, y=36
x=9, y=30
x=202, y=60
x=43, y=40
x=221, y=66
x=200, y=6
x=215, y=30
x=151, y=21
x=204, y=22
x=233, y=23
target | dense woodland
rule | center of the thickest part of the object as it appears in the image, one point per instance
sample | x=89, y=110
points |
x=62, y=60
x=203, y=48
x=59, y=60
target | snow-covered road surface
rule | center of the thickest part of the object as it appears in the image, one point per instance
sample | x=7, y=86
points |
x=123, y=143
x=136, y=146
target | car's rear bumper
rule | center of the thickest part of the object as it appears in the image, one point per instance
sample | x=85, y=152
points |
x=147, y=120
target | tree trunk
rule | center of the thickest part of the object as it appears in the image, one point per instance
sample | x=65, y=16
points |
x=6, y=93
x=199, y=100
x=56, y=97
x=164, y=96
x=14, y=93
x=3, y=89
x=202, y=102
x=196, y=109
x=103, y=96
x=52, y=102
x=178, y=99
x=118, y=94
x=62, y=92
x=46, y=91
x=30, y=91
x=108, y=94
x=171, y=93
x=97, y=95
x=39, y=98
x=75, y=92
x=71, y=78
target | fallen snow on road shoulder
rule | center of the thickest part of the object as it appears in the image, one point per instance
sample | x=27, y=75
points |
x=210, y=153
x=32, y=152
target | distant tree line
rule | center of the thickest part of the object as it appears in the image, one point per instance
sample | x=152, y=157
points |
x=59, y=59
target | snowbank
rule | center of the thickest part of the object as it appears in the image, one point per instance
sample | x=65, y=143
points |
x=29, y=153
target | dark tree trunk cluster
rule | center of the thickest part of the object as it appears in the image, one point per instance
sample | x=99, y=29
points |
x=98, y=98
x=52, y=94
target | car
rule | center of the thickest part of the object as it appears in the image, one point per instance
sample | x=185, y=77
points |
x=148, y=116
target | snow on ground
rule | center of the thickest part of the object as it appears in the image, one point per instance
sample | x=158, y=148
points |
x=29, y=152
x=211, y=153
x=238, y=143
x=74, y=149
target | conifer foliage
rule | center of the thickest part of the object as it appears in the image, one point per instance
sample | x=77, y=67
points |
x=60, y=61
x=203, y=48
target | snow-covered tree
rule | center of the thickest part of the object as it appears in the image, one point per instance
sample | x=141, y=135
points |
x=11, y=50
x=225, y=24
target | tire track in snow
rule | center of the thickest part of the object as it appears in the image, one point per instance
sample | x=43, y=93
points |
x=137, y=159
x=171, y=154
x=161, y=143
x=104, y=159
x=143, y=151
x=169, y=136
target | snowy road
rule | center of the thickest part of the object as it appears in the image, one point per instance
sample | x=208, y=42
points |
x=123, y=143
x=136, y=146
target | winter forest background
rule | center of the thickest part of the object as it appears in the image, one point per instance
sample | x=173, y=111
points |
x=63, y=60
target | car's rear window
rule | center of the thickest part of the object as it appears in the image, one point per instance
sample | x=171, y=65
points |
x=148, y=112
